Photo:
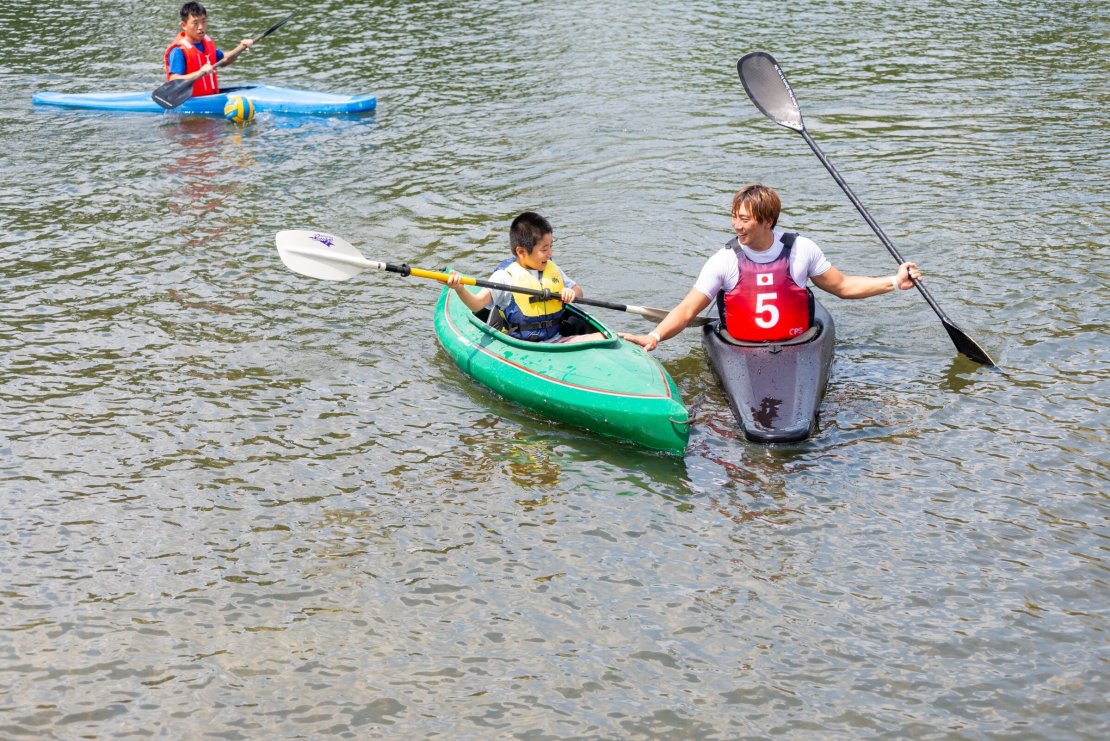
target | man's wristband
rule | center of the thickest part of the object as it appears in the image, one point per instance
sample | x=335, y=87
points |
x=894, y=282
x=655, y=334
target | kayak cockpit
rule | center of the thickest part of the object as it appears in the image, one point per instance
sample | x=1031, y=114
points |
x=574, y=322
x=808, y=336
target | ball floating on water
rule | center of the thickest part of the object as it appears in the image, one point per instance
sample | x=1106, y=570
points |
x=239, y=109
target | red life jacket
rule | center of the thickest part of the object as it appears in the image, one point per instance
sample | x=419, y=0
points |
x=194, y=60
x=766, y=304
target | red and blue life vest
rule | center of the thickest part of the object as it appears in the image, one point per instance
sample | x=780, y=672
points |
x=766, y=304
x=194, y=60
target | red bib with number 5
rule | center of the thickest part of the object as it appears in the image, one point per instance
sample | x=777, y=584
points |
x=766, y=304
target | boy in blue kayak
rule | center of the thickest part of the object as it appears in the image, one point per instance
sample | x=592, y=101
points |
x=527, y=317
x=193, y=54
x=759, y=278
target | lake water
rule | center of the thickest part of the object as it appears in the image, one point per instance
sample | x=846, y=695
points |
x=240, y=503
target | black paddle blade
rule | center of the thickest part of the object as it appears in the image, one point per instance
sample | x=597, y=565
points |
x=173, y=93
x=968, y=346
x=765, y=83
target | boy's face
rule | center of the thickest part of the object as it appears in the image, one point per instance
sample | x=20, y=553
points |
x=538, y=257
x=195, y=28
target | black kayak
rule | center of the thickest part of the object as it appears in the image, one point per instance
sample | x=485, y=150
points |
x=774, y=388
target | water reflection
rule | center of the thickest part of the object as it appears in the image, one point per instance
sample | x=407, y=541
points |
x=963, y=374
x=209, y=169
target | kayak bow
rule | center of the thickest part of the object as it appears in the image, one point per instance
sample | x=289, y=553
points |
x=774, y=388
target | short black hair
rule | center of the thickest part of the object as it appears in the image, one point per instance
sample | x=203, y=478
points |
x=193, y=9
x=526, y=230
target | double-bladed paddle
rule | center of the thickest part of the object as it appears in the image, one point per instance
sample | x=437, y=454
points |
x=171, y=94
x=326, y=256
x=766, y=85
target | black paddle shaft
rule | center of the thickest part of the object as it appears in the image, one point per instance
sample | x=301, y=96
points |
x=867, y=217
x=767, y=86
x=960, y=339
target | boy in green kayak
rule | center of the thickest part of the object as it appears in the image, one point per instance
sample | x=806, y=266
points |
x=759, y=278
x=527, y=318
x=193, y=55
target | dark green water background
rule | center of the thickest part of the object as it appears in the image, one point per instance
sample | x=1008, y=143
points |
x=239, y=503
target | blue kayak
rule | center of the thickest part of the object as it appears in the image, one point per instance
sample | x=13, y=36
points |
x=266, y=98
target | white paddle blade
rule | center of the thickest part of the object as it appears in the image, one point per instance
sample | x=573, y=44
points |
x=766, y=85
x=659, y=314
x=321, y=255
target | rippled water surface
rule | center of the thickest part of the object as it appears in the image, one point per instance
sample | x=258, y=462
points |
x=240, y=503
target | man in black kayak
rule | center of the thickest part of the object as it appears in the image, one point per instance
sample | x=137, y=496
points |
x=759, y=278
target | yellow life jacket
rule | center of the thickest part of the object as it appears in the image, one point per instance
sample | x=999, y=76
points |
x=531, y=317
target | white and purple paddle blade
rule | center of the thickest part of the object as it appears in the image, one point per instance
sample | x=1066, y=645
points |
x=321, y=255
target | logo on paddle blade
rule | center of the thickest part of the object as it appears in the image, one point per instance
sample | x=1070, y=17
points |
x=324, y=239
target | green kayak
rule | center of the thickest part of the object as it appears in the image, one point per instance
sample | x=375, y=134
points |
x=608, y=386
